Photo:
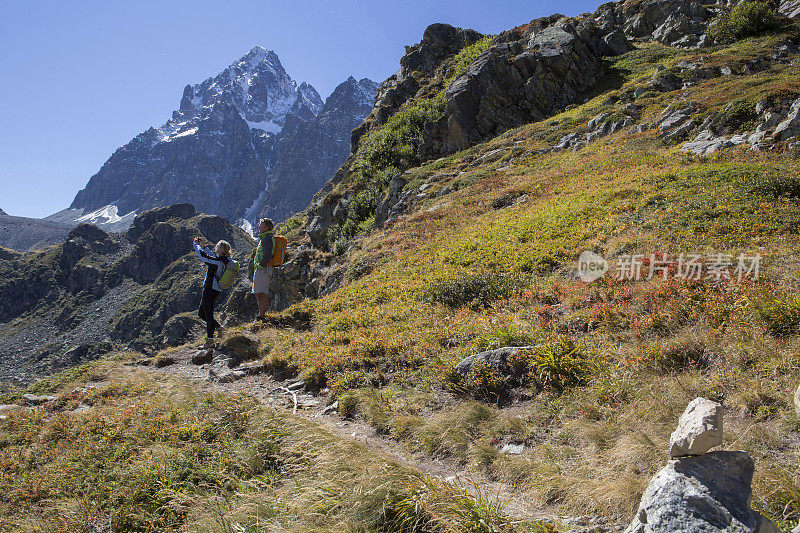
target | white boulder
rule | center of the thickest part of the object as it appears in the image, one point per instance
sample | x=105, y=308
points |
x=699, y=429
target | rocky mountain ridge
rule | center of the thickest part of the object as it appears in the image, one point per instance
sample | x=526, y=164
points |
x=524, y=75
x=219, y=149
x=24, y=234
x=99, y=291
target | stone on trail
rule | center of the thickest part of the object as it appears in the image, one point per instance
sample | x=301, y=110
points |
x=699, y=429
x=202, y=357
x=223, y=375
x=708, y=493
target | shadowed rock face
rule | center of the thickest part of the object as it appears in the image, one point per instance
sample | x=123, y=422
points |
x=308, y=153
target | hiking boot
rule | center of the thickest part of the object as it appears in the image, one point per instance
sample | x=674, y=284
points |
x=208, y=344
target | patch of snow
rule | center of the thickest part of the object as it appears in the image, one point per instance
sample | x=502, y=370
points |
x=246, y=226
x=106, y=215
x=267, y=125
x=190, y=131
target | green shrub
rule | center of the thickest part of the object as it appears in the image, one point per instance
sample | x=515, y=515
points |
x=782, y=317
x=744, y=20
x=739, y=115
x=464, y=58
x=359, y=267
x=289, y=224
x=482, y=382
x=242, y=346
x=504, y=336
x=560, y=365
x=339, y=245
x=315, y=377
x=360, y=212
x=475, y=290
x=348, y=406
x=775, y=185
x=279, y=366
x=349, y=379
x=680, y=355
x=394, y=143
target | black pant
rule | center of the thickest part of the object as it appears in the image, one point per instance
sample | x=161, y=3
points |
x=206, y=312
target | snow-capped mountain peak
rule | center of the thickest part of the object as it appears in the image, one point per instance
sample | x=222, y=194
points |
x=258, y=86
x=249, y=141
x=258, y=55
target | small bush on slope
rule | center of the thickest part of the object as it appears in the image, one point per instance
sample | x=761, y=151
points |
x=474, y=290
x=746, y=19
x=782, y=317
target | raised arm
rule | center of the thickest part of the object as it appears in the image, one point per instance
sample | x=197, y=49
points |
x=206, y=255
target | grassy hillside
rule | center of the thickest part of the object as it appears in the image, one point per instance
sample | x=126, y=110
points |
x=157, y=455
x=486, y=259
x=496, y=239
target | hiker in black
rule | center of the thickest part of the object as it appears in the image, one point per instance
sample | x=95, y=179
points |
x=216, y=262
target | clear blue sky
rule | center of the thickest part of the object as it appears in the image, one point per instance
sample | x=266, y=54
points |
x=81, y=78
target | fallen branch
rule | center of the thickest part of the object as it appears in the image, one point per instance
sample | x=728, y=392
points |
x=294, y=397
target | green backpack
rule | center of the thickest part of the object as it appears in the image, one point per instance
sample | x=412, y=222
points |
x=229, y=275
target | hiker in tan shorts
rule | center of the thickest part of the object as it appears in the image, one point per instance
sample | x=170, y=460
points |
x=263, y=270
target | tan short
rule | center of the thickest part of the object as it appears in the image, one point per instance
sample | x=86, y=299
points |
x=261, y=280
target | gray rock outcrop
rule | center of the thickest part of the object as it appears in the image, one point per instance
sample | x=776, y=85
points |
x=179, y=329
x=790, y=8
x=790, y=127
x=797, y=400
x=672, y=22
x=497, y=359
x=708, y=493
x=526, y=75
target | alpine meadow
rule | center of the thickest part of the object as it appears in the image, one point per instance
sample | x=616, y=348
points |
x=539, y=281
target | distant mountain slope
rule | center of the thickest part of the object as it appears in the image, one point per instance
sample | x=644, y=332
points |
x=24, y=234
x=218, y=149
